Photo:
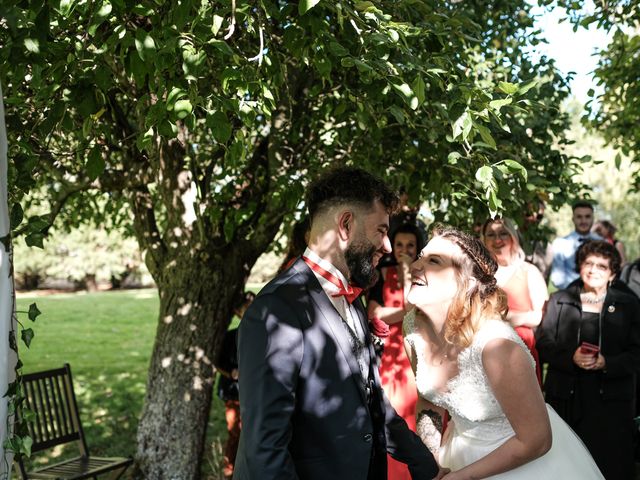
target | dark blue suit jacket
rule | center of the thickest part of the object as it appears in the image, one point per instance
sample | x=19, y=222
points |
x=303, y=407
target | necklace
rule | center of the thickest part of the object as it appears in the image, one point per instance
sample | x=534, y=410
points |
x=590, y=297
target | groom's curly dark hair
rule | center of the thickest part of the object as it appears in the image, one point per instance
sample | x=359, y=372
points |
x=349, y=185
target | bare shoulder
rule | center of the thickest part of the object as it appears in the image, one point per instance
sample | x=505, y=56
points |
x=504, y=356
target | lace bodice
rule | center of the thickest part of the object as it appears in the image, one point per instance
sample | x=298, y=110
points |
x=468, y=396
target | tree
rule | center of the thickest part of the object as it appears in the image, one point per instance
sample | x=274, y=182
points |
x=612, y=194
x=200, y=123
x=615, y=113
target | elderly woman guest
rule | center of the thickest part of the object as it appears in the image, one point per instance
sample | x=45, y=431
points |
x=387, y=303
x=522, y=282
x=590, y=337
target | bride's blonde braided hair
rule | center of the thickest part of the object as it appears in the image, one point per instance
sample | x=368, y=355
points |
x=477, y=300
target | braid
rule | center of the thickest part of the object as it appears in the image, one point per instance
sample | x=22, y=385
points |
x=474, y=303
x=484, y=266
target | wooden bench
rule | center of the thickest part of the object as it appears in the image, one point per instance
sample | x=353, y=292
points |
x=51, y=396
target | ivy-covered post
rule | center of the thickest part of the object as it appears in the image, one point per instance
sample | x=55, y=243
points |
x=8, y=357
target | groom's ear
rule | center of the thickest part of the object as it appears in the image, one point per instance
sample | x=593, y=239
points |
x=346, y=224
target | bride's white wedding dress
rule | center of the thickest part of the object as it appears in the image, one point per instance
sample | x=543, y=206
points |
x=478, y=425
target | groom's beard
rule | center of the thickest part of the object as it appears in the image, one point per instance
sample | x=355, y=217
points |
x=359, y=258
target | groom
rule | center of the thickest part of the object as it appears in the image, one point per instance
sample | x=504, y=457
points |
x=310, y=397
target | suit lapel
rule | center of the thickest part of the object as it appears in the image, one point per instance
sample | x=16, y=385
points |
x=364, y=324
x=325, y=311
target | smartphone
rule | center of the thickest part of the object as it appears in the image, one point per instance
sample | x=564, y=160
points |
x=586, y=347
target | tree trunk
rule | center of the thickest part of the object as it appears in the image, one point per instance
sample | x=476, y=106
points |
x=196, y=301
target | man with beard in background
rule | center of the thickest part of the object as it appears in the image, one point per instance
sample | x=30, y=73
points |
x=310, y=397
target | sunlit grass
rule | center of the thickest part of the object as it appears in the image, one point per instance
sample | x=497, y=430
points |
x=107, y=338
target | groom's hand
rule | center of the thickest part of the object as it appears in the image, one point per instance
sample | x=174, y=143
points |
x=441, y=473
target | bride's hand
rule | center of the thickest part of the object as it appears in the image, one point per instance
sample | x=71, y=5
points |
x=453, y=475
x=442, y=473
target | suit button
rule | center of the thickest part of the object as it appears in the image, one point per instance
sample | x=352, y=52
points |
x=368, y=437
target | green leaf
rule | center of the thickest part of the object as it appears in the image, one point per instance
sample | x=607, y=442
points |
x=419, y=88
x=220, y=126
x=95, y=163
x=145, y=45
x=486, y=135
x=527, y=86
x=37, y=224
x=347, y=62
x=495, y=204
x=508, y=88
x=462, y=126
x=305, y=5
x=174, y=95
x=498, y=104
x=183, y=108
x=25, y=448
x=363, y=66
x=34, y=240
x=27, y=336
x=137, y=68
x=453, y=157
x=397, y=113
x=17, y=215
x=28, y=415
x=407, y=94
x=337, y=49
x=6, y=242
x=32, y=44
x=145, y=140
x=34, y=312
x=65, y=7
x=221, y=45
x=167, y=129
x=516, y=167
x=618, y=161
x=105, y=10
x=361, y=6
x=217, y=24
x=484, y=175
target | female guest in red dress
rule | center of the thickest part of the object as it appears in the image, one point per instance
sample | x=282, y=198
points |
x=387, y=302
x=522, y=282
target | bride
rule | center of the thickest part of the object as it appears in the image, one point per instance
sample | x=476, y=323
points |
x=470, y=362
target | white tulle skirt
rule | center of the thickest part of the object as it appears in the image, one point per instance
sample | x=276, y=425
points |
x=568, y=458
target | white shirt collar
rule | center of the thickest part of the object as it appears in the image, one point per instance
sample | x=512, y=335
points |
x=328, y=266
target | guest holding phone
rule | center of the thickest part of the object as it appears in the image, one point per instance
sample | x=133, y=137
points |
x=590, y=338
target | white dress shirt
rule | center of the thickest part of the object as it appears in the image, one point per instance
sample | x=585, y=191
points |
x=344, y=308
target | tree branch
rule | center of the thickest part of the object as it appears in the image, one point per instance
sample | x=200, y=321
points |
x=146, y=230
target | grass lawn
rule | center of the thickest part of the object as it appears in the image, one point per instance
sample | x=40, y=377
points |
x=107, y=338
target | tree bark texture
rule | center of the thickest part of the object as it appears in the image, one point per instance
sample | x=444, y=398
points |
x=196, y=301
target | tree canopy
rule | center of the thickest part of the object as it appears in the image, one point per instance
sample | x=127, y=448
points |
x=199, y=124
x=615, y=113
